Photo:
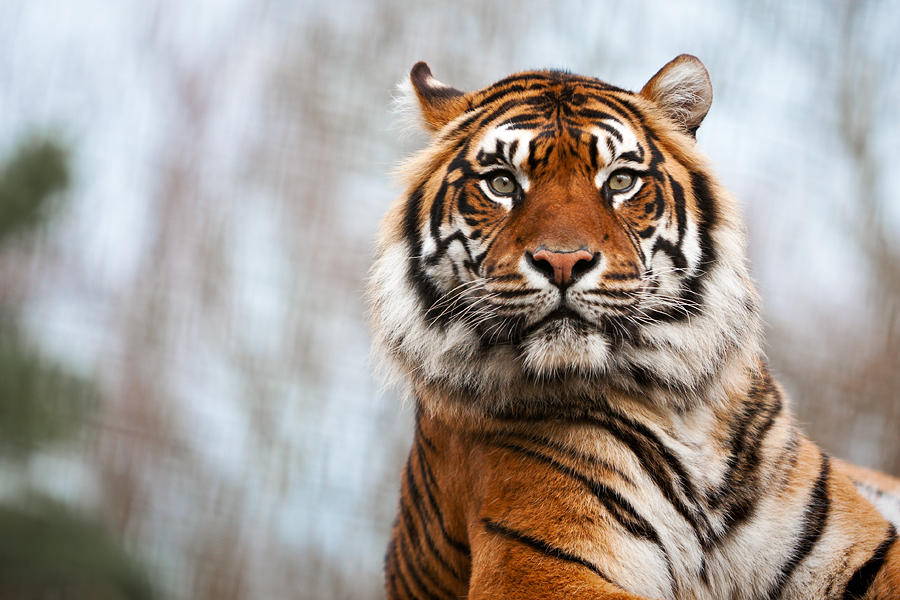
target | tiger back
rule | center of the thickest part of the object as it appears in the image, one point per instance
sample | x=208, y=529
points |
x=564, y=291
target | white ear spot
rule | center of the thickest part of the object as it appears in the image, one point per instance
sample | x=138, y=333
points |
x=439, y=102
x=433, y=83
x=683, y=90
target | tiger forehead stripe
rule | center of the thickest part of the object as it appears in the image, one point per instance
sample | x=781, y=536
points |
x=505, y=146
x=543, y=94
x=617, y=141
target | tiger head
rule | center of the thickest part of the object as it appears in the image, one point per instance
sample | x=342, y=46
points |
x=560, y=238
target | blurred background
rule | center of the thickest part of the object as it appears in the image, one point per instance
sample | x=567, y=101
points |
x=189, y=193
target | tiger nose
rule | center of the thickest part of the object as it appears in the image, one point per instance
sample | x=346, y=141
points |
x=562, y=268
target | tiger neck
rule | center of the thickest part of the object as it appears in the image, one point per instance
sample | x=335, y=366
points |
x=712, y=463
x=576, y=397
x=745, y=406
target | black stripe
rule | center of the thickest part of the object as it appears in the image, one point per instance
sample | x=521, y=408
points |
x=693, y=287
x=515, y=293
x=673, y=252
x=524, y=125
x=415, y=498
x=611, y=293
x=389, y=576
x=706, y=202
x=595, y=85
x=617, y=506
x=437, y=210
x=656, y=206
x=497, y=112
x=739, y=490
x=414, y=566
x=597, y=117
x=535, y=81
x=609, y=103
x=631, y=111
x=814, y=520
x=463, y=125
x=418, y=427
x=647, y=232
x=424, y=287
x=595, y=164
x=511, y=150
x=429, y=481
x=499, y=94
x=391, y=585
x=520, y=118
x=575, y=455
x=443, y=244
x=404, y=555
x=466, y=208
x=610, y=146
x=398, y=573
x=661, y=464
x=680, y=214
x=862, y=579
x=632, y=156
x=543, y=547
x=535, y=76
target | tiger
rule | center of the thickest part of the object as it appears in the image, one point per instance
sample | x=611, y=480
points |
x=563, y=290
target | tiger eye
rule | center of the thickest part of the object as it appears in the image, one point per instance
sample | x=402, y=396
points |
x=620, y=181
x=502, y=184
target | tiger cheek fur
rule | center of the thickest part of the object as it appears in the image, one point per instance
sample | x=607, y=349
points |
x=564, y=291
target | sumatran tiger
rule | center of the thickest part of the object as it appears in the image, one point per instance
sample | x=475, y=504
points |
x=564, y=289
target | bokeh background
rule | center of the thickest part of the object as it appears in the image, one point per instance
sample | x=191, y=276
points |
x=189, y=193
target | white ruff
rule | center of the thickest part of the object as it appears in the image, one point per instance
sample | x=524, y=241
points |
x=562, y=347
x=557, y=361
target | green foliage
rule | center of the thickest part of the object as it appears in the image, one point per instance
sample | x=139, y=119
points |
x=49, y=551
x=46, y=549
x=37, y=170
x=40, y=403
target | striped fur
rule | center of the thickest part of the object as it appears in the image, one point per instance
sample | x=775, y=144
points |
x=615, y=434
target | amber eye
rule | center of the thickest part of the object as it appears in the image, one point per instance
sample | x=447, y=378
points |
x=502, y=183
x=620, y=181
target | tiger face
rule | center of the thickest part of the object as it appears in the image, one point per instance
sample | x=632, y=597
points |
x=561, y=230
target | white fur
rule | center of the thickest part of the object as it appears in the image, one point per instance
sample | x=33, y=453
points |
x=611, y=161
x=507, y=135
x=407, y=114
x=886, y=502
x=682, y=88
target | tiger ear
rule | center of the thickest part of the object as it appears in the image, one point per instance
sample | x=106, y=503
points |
x=683, y=90
x=438, y=102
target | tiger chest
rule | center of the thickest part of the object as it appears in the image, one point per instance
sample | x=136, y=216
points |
x=643, y=520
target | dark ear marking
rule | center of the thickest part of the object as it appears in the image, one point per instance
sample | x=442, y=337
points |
x=429, y=88
x=682, y=89
x=440, y=103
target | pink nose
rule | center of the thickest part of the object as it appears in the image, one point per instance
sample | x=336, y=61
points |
x=559, y=267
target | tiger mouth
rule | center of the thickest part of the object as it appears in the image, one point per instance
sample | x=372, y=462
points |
x=560, y=314
x=518, y=330
x=563, y=315
x=562, y=325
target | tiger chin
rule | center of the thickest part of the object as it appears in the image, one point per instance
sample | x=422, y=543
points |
x=563, y=289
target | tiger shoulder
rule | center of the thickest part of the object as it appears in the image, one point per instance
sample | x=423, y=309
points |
x=563, y=288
